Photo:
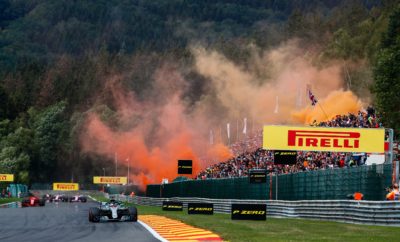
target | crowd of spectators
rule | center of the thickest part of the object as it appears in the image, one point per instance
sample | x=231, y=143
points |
x=248, y=154
x=367, y=119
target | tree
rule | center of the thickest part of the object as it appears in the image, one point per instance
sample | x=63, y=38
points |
x=387, y=74
x=15, y=163
x=4, y=103
x=50, y=140
x=15, y=151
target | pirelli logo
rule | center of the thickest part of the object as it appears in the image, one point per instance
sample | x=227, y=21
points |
x=6, y=177
x=65, y=186
x=324, y=139
x=201, y=208
x=110, y=179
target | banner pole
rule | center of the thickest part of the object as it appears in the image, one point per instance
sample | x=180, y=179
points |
x=129, y=166
x=327, y=118
x=276, y=185
x=116, y=163
x=270, y=185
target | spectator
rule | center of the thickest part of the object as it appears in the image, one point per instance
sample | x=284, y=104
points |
x=393, y=193
x=358, y=196
x=248, y=154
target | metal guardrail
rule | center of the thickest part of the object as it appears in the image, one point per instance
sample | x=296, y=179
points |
x=348, y=211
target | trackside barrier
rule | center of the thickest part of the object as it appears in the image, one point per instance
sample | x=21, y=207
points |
x=17, y=189
x=348, y=211
x=328, y=184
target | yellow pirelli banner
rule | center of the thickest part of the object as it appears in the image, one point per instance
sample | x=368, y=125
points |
x=110, y=180
x=324, y=139
x=6, y=177
x=65, y=186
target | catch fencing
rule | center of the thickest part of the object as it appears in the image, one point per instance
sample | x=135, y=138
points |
x=348, y=211
x=329, y=184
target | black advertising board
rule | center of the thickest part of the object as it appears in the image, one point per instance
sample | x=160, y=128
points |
x=258, y=176
x=285, y=157
x=172, y=206
x=185, y=166
x=249, y=212
x=200, y=208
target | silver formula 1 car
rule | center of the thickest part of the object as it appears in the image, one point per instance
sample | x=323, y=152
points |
x=59, y=198
x=78, y=198
x=112, y=211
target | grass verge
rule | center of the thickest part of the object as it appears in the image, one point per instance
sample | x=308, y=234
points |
x=279, y=229
x=100, y=198
x=9, y=200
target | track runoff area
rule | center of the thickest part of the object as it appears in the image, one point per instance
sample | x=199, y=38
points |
x=69, y=221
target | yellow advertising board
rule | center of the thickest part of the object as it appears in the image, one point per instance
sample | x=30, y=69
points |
x=110, y=180
x=6, y=177
x=324, y=139
x=65, y=186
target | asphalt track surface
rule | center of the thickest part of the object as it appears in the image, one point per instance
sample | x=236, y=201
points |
x=65, y=222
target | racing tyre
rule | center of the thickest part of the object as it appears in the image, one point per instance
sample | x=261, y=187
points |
x=94, y=215
x=133, y=214
x=24, y=203
x=42, y=202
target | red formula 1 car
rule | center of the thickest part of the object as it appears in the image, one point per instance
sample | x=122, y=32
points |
x=32, y=201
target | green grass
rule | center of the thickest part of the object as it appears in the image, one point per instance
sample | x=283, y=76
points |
x=9, y=200
x=100, y=198
x=280, y=229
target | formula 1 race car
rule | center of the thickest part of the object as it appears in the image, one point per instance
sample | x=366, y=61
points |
x=48, y=197
x=78, y=198
x=112, y=211
x=32, y=201
x=59, y=198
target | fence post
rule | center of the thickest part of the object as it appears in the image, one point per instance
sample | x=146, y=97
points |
x=395, y=174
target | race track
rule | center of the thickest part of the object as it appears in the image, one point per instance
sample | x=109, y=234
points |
x=65, y=222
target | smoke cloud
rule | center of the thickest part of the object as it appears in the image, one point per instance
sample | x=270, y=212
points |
x=152, y=135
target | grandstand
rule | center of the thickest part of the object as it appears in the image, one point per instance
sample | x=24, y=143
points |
x=249, y=153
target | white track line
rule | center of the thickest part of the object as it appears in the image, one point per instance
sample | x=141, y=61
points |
x=93, y=198
x=4, y=204
x=153, y=232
